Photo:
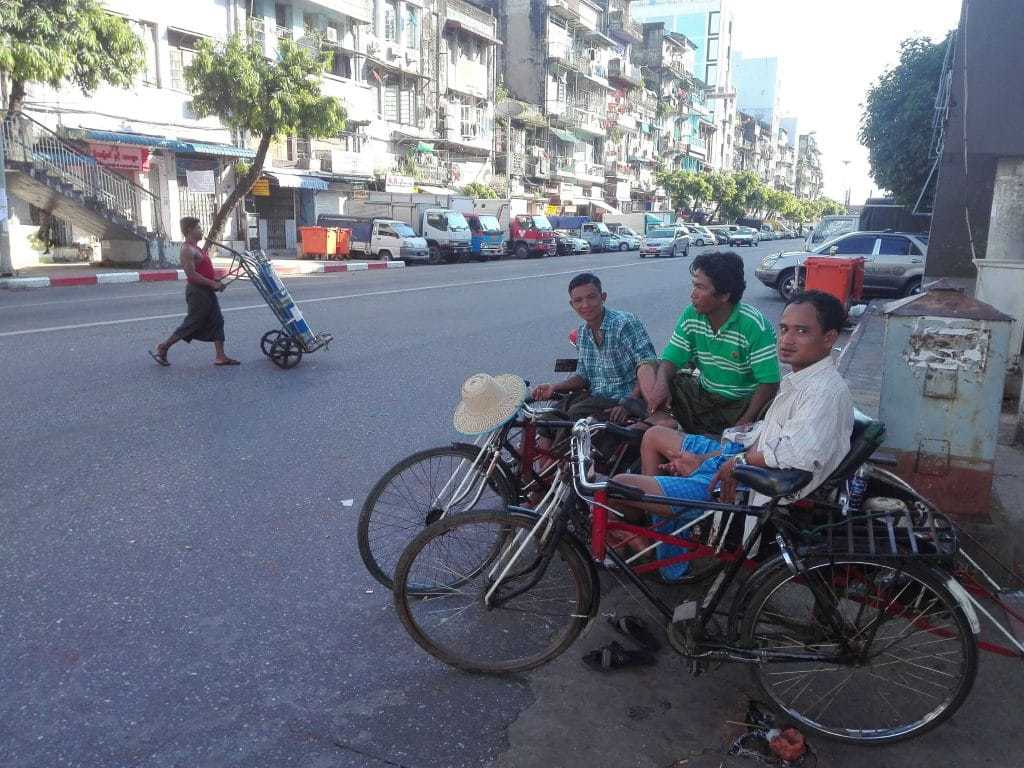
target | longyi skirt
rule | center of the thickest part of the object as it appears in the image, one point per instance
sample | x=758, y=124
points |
x=204, y=321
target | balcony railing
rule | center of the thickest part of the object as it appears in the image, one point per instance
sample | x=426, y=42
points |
x=591, y=122
x=470, y=18
x=621, y=26
x=624, y=70
x=568, y=8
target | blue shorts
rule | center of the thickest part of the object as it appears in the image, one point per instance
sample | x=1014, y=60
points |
x=693, y=487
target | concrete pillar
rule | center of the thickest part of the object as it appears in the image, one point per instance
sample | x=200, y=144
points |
x=1001, y=272
x=1006, y=229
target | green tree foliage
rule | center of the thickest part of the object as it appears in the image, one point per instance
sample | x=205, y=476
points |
x=65, y=41
x=688, y=189
x=476, y=189
x=896, y=124
x=723, y=188
x=268, y=98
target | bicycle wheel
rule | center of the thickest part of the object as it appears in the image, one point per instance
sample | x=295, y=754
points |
x=462, y=606
x=914, y=657
x=417, y=491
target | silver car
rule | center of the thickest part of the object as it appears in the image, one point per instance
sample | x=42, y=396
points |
x=700, y=235
x=666, y=241
x=893, y=263
x=622, y=242
x=744, y=236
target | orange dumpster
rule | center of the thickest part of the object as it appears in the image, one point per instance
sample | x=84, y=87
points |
x=342, y=243
x=317, y=242
x=841, y=277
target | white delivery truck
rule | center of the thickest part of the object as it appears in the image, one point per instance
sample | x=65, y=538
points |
x=384, y=239
x=445, y=230
x=639, y=224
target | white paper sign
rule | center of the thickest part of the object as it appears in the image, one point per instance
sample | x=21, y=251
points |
x=201, y=181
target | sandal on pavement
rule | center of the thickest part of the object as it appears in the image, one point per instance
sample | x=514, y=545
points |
x=615, y=656
x=228, y=361
x=160, y=356
x=636, y=630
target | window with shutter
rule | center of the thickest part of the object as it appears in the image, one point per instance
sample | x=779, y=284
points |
x=390, y=101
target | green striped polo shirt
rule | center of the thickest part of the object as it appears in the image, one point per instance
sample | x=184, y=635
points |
x=734, y=361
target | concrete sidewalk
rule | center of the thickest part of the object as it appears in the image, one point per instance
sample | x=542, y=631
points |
x=67, y=275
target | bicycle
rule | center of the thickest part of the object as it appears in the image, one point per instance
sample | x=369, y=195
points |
x=832, y=593
x=501, y=468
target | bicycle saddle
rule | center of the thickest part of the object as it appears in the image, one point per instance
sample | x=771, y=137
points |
x=775, y=483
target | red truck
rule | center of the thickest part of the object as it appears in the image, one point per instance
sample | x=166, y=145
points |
x=531, y=235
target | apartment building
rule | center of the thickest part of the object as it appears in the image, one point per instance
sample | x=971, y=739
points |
x=709, y=25
x=785, y=160
x=631, y=148
x=754, y=147
x=809, y=179
x=156, y=159
x=686, y=124
x=556, y=56
x=467, y=75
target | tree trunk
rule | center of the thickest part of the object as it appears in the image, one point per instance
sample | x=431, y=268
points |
x=17, y=97
x=242, y=187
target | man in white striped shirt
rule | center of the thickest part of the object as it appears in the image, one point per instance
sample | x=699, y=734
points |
x=807, y=426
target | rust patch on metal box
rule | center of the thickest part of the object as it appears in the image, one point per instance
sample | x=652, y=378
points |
x=944, y=344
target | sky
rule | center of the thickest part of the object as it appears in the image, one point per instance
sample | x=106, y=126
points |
x=830, y=52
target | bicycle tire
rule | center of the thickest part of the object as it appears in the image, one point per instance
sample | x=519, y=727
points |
x=380, y=555
x=491, y=632
x=921, y=582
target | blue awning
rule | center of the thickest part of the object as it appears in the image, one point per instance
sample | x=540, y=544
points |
x=160, y=142
x=297, y=180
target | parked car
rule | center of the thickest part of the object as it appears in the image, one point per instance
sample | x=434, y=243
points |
x=666, y=241
x=721, y=233
x=622, y=242
x=831, y=227
x=744, y=236
x=893, y=263
x=701, y=235
x=767, y=232
x=568, y=243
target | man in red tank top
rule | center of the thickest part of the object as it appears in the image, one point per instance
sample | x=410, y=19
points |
x=204, y=321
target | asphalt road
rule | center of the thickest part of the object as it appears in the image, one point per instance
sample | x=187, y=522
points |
x=181, y=584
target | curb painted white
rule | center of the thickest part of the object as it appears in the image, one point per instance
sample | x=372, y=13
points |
x=285, y=267
x=117, y=277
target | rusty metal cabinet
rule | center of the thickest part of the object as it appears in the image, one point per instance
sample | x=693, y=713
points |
x=944, y=368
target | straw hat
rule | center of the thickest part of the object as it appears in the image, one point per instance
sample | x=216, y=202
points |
x=488, y=402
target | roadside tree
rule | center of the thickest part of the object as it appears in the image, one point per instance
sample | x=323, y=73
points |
x=896, y=124
x=688, y=189
x=268, y=98
x=55, y=42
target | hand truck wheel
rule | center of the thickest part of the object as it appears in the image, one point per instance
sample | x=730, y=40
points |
x=267, y=342
x=285, y=352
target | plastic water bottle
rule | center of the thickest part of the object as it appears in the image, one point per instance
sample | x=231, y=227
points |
x=856, y=489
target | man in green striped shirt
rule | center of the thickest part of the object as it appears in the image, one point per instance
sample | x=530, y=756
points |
x=731, y=343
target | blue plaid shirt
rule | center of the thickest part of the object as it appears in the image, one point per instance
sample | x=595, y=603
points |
x=610, y=370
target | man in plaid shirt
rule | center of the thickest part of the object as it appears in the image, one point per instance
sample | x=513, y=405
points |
x=616, y=356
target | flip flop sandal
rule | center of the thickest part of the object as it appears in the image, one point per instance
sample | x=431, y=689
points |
x=615, y=656
x=161, y=359
x=229, y=362
x=636, y=630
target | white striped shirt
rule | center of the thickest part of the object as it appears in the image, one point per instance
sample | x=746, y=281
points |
x=807, y=426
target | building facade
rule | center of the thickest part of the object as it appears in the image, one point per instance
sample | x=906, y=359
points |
x=808, y=180
x=709, y=25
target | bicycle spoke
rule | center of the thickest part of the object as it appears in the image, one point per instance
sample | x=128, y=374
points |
x=893, y=678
